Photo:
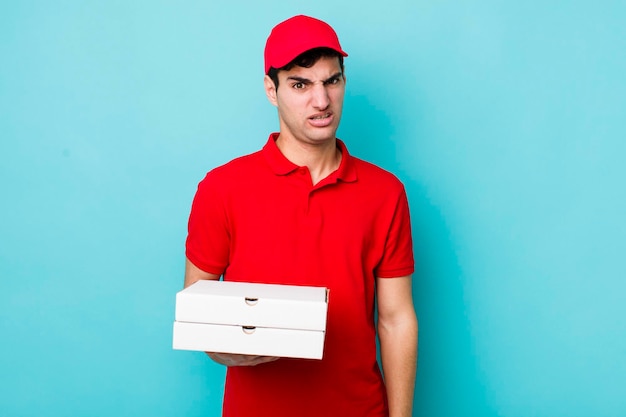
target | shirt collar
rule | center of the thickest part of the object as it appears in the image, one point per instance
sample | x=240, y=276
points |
x=282, y=166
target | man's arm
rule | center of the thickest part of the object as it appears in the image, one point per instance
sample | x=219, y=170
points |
x=193, y=274
x=397, y=332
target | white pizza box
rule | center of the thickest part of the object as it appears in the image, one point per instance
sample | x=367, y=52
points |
x=251, y=318
x=253, y=304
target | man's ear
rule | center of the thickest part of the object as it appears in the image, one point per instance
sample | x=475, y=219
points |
x=270, y=90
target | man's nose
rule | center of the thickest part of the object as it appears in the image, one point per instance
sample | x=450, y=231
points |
x=320, y=97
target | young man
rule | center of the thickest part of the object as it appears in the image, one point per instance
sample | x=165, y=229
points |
x=303, y=211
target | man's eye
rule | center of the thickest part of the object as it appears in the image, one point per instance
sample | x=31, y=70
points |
x=333, y=81
x=298, y=86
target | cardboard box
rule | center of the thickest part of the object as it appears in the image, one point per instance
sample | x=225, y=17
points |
x=253, y=319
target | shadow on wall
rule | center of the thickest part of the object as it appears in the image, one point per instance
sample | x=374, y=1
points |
x=448, y=380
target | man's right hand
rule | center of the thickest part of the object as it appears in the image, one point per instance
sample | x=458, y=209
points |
x=231, y=359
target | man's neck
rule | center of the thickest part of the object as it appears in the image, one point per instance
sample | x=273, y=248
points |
x=321, y=159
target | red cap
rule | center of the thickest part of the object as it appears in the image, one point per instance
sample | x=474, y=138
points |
x=296, y=35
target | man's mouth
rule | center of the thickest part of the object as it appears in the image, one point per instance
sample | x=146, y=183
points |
x=320, y=116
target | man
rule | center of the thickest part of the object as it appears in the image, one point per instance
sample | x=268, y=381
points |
x=303, y=211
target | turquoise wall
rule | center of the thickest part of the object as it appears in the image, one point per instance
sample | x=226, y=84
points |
x=505, y=120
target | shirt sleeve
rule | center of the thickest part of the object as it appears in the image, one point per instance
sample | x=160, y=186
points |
x=208, y=239
x=398, y=259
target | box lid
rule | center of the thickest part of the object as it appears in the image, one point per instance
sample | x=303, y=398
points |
x=253, y=304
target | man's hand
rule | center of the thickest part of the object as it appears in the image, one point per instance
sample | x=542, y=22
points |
x=231, y=359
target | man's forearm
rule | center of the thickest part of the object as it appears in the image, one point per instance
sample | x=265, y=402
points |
x=398, y=343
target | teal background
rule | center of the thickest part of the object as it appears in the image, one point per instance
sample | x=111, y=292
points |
x=505, y=120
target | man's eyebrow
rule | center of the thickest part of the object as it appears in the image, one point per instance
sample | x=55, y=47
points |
x=299, y=79
x=307, y=81
x=334, y=76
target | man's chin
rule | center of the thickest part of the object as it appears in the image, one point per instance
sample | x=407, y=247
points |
x=323, y=135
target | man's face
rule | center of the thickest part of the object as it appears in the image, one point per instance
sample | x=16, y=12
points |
x=309, y=101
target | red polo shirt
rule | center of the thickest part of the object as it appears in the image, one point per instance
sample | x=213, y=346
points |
x=259, y=218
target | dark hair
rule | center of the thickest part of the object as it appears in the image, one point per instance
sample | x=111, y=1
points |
x=306, y=60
